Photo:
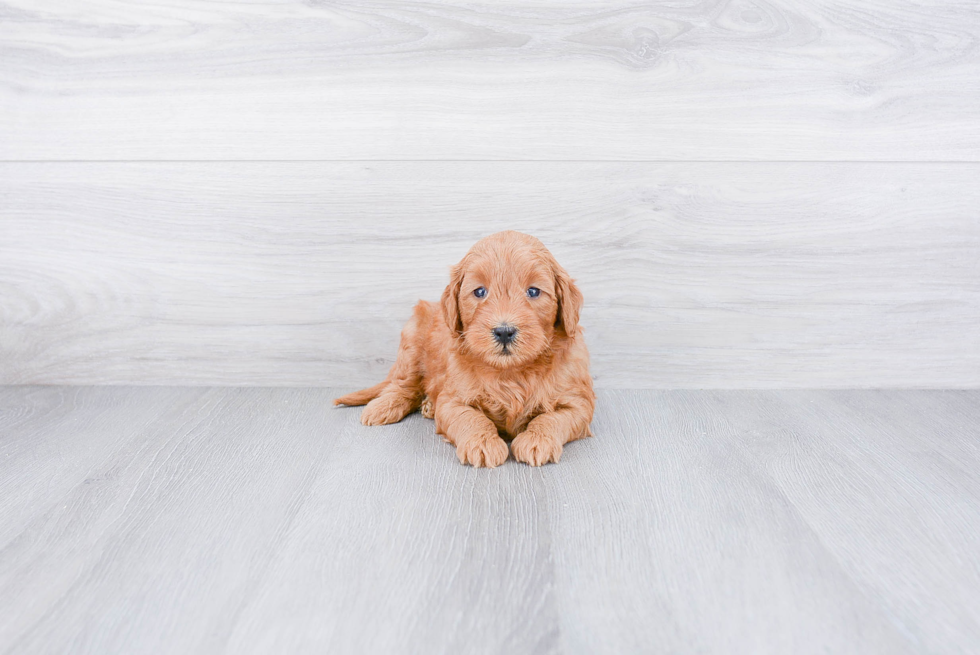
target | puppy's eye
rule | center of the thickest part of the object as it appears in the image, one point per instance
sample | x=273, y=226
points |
x=533, y=292
x=480, y=292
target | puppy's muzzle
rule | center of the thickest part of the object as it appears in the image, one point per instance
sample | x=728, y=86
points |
x=504, y=334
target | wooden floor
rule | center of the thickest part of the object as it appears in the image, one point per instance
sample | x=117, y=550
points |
x=187, y=520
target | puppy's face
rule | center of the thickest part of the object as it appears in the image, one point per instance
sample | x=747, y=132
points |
x=508, y=300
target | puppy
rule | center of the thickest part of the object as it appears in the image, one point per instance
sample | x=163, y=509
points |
x=501, y=357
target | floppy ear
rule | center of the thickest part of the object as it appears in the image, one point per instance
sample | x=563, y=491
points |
x=569, y=301
x=450, y=300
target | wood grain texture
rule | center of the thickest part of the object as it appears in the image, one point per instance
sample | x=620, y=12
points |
x=732, y=80
x=905, y=466
x=668, y=535
x=261, y=520
x=695, y=275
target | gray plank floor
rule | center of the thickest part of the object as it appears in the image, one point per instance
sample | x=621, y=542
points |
x=184, y=520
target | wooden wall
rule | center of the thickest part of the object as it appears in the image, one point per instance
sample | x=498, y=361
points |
x=750, y=194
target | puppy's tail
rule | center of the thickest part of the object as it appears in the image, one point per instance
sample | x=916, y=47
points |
x=362, y=397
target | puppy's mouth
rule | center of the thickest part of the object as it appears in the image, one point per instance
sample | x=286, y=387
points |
x=506, y=356
x=511, y=349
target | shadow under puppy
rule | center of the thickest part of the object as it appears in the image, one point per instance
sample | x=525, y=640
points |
x=502, y=356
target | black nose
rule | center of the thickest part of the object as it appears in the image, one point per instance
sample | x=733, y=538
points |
x=504, y=334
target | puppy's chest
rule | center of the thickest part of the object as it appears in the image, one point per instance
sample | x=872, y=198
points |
x=510, y=407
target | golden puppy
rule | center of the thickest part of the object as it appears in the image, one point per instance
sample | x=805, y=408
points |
x=501, y=356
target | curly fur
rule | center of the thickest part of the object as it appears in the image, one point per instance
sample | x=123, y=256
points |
x=536, y=392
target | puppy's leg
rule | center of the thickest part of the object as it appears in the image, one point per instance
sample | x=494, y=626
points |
x=545, y=436
x=402, y=392
x=474, y=435
x=362, y=397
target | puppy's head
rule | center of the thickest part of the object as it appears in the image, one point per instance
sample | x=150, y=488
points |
x=508, y=300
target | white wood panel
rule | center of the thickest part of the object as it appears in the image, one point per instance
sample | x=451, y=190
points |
x=733, y=80
x=720, y=275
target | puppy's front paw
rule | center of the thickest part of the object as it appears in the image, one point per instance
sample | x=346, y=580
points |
x=535, y=448
x=385, y=409
x=427, y=409
x=489, y=451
